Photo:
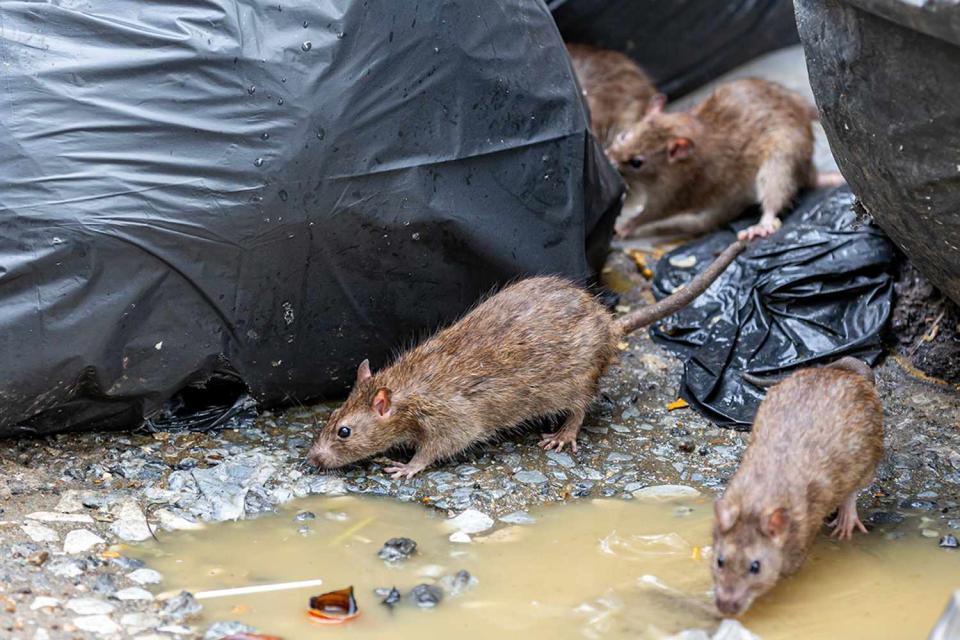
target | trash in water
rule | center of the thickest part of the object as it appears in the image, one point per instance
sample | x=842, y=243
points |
x=426, y=596
x=389, y=597
x=334, y=607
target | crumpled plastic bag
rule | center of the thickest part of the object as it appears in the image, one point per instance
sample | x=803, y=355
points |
x=819, y=289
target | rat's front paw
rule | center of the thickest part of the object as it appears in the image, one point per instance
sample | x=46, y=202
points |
x=399, y=470
x=760, y=230
x=557, y=441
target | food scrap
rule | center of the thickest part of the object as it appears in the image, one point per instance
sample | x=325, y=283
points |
x=334, y=607
x=679, y=403
x=640, y=259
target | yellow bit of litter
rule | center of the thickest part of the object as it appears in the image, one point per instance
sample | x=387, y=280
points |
x=679, y=403
x=622, y=346
x=695, y=553
x=109, y=554
x=351, y=531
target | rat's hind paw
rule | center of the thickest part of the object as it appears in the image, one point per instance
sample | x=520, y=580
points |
x=399, y=470
x=557, y=441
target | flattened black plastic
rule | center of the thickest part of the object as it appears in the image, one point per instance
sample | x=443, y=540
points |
x=819, y=289
x=271, y=191
x=885, y=76
x=682, y=44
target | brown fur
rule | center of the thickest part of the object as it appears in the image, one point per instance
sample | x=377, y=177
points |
x=816, y=441
x=749, y=142
x=616, y=88
x=536, y=349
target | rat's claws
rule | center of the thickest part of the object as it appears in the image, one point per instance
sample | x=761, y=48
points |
x=400, y=471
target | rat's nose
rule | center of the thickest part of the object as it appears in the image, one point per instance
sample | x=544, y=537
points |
x=315, y=458
x=729, y=606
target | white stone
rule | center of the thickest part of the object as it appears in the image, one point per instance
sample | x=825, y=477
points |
x=89, y=606
x=50, y=516
x=730, y=629
x=460, y=537
x=177, y=630
x=470, y=521
x=172, y=522
x=41, y=634
x=102, y=625
x=80, y=540
x=71, y=501
x=133, y=593
x=666, y=492
x=137, y=622
x=39, y=533
x=131, y=524
x=41, y=602
x=145, y=576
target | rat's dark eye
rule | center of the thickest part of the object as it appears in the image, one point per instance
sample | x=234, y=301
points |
x=636, y=161
x=343, y=432
x=755, y=567
x=720, y=562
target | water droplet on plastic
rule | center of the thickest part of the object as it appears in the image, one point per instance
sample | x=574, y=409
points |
x=321, y=133
x=280, y=101
x=265, y=135
x=306, y=46
x=305, y=24
x=436, y=49
x=252, y=89
x=340, y=35
x=283, y=195
x=415, y=236
x=258, y=162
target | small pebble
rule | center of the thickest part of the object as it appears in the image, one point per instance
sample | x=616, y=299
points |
x=396, y=549
x=388, y=597
x=426, y=596
x=530, y=477
x=949, y=541
x=145, y=576
x=930, y=533
x=304, y=515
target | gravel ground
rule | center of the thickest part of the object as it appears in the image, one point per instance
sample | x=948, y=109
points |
x=70, y=505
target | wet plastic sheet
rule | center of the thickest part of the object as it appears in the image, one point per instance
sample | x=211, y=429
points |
x=819, y=289
x=899, y=155
x=271, y=191
x=682, y=44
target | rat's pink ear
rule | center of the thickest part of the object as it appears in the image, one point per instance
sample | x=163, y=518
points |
x=363, y=371
x=656, y=104
x=776, y=523
x=381, y=402
x=726, y=513
x=679, y=149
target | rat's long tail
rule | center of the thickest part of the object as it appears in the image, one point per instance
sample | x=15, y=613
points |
x=847, y=363
x=683, y=296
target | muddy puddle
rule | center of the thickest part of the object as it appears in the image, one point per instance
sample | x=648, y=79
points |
x=593, y=569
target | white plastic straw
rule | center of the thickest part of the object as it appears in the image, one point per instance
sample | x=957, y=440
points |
x=262, y=588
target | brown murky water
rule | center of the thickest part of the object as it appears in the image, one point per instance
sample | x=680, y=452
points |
x=593, y=569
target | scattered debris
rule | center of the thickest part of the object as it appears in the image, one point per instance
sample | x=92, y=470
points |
x=426, y=596
x=396, y=549
x=334, y=607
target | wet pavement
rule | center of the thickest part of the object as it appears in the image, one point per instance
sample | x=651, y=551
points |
x=71, y=505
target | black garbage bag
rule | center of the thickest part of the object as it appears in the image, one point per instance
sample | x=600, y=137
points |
x=819, y=289
x=885, y=76
x=682, y=44
x=270, y=192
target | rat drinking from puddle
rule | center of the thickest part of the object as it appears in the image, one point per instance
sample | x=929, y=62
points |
x=534, y=350
x=816, y=442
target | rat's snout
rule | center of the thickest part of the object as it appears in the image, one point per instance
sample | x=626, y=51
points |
x=318, y=456
x=732, y=601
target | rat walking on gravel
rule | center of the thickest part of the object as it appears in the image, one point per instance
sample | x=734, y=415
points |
x=750, y=142
x=816, y=442
x=534, y=350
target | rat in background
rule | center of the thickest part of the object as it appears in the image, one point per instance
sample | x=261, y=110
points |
x=534, y=350
x=617, y=90
x=749, y=142
x=816, y=442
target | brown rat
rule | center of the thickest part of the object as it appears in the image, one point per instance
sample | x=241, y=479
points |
x=535, y=349
x=750, y=142
x=617, y=90
x=816, y=442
